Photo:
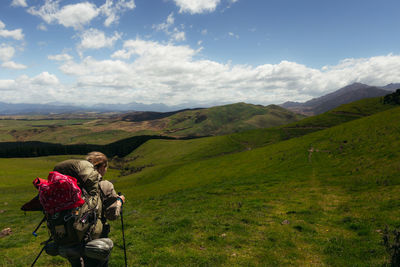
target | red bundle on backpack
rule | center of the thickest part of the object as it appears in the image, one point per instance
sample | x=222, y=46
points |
x=59, y=192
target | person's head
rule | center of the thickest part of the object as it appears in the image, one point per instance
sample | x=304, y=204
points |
x=99, y=161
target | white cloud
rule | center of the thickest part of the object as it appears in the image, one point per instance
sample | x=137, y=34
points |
x=43, y=88
x=15, y=34
x=95, y=39
x=6, y=52
x=42, y=27
x=111, y=10
x=78, y=15
x=45, y=79
x=154, y=72
x=7, y=85
x=151, y=72
x=204, y=32
x=233, y=35
x=60, y=57
x=81, y=14
x=175, y=34
x=165, y=25
x=13, y=65
x=197, y=6
x=75, y=16
x=21, y=3
x=178, y=35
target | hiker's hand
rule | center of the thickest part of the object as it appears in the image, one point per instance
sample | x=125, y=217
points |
x=122, y=197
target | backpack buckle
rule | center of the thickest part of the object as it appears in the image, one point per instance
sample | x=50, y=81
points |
x=68, y=217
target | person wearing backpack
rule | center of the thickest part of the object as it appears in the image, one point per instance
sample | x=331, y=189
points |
x=92, y=230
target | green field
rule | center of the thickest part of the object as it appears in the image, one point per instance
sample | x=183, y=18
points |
x=307, y=194
x=228, y=119
x=104, y=129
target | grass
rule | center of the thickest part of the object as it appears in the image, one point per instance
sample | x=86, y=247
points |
x=247, y=199
x=228, y=119
x=105, y=129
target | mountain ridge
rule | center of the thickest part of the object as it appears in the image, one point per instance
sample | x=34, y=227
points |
x=344, y=95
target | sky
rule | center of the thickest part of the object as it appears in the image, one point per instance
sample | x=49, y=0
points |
x=193, y=53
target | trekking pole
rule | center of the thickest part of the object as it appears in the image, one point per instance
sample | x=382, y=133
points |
x=37, y=228
x=123, y=233
x=41, y=251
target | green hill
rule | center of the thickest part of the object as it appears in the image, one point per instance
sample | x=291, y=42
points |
x=106, y=129
x=247, y=199
x=156, y=152
x=228, y=119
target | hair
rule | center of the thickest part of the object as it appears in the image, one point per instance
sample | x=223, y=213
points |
x=98, y=159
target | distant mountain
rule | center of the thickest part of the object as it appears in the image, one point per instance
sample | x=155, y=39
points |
x=348, y=94
x=391, y=87
x=60, y=108
x=17, y=109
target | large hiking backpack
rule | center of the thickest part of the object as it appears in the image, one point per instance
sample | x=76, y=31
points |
x=59, y=192
x=69, y=218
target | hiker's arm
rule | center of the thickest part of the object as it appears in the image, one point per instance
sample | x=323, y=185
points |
x=113, y=214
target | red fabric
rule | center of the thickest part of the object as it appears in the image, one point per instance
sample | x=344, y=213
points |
x=60, y=192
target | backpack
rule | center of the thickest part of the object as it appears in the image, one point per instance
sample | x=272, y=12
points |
x=59, y=192
x=69, y=218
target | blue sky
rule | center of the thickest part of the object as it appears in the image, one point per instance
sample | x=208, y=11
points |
x=193, y=52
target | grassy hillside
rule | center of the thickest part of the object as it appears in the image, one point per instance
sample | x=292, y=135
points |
x=107, y=129
x=156, y=152
x=228, y=119
x=318, y=200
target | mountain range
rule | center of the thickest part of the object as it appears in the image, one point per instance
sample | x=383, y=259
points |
x=347, y=94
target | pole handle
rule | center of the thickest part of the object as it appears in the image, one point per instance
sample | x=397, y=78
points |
x=37, y=228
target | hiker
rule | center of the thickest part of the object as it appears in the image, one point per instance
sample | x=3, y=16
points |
x=89, y=174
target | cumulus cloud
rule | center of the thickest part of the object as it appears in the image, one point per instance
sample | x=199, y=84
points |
x=15, y=34
x=42, y=88
x=74, y=15
x=60, y=57
x=95, y=39
x=151, y=72
x=6, y=52
x=197, y=6
x=81, y=14
x=13, y=65
x=178, y=35
x=21, y=3
x=111, y=9
x=45, y=79
x=7, y=85
x=175, y=33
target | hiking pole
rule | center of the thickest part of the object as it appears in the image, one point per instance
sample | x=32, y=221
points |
x=41, y=251
x=37, y=228
x=123, y=232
